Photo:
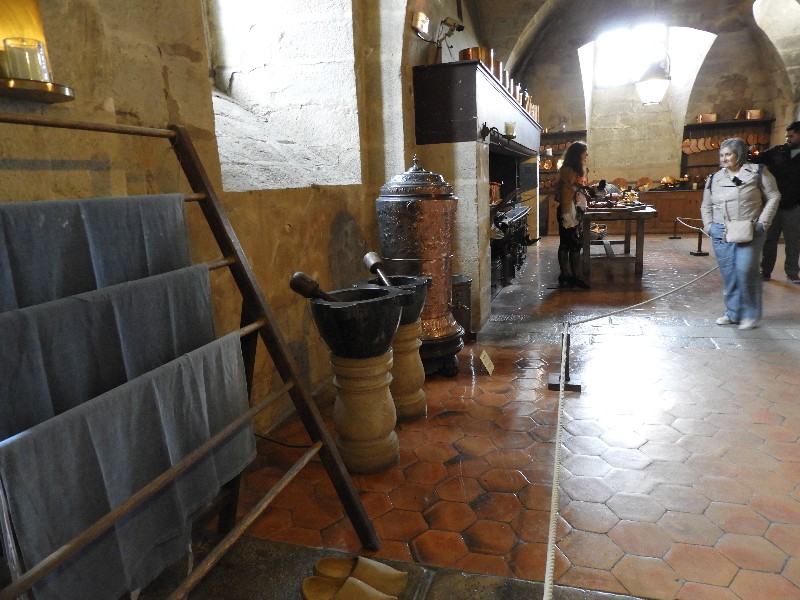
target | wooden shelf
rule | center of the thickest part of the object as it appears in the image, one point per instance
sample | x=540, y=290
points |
x=704, y=162
x=35, y=91
x=461, y=101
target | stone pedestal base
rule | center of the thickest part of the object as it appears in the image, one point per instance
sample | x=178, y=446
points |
x=408, y=374
x=364, y=414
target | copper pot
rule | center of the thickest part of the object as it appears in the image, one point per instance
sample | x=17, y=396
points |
x=485, y=55
x=416, y=218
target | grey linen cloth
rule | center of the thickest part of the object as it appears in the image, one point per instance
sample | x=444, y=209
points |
x=56, y=355
x=64, y=474
x=54, y=249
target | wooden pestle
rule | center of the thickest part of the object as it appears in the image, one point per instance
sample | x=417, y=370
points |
x=308, y=287
x=375, y=266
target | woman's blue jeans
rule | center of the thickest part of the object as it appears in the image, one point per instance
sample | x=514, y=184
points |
x=742, y=285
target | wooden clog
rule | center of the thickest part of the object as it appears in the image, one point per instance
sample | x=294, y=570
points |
x=325, y=588
x=377, y=575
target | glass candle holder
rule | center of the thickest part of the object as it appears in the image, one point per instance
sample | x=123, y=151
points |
x=25, y=59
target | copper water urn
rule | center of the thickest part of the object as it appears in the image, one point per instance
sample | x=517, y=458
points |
x=416, y=219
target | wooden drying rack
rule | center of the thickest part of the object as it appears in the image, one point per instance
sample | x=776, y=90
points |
x=261, y=324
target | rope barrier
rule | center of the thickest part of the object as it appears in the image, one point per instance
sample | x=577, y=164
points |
x=563, y=378
x=700, y=229
x=700, y=233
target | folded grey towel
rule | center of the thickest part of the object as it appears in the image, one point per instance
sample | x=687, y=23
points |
x=58, y=354
x=54, y=249
x=62, y=475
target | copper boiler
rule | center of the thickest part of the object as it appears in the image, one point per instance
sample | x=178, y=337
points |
x=416, y=220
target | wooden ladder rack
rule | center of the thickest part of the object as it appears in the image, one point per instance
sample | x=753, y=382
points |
x=260, y=324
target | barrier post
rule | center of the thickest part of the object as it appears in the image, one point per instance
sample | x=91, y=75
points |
x=700, y=251
x=554, y=382
x=675, y=235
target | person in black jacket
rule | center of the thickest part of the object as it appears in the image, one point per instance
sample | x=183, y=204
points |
x=784, y=163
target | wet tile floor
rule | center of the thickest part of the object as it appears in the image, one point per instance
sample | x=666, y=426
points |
x=679, y=458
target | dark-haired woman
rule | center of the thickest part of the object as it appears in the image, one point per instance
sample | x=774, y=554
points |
x=571, y=181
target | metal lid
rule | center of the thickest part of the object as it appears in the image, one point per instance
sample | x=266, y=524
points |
x=417, y=182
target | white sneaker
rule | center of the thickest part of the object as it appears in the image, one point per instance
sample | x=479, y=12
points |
x=748, y=323
x=725, y=320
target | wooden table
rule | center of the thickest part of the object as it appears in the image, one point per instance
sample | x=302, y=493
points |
x=627, y=216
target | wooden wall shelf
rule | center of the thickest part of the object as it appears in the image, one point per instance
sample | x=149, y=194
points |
x=35, y=91
x=755, y=132
x=557, y=142
x=453, y=101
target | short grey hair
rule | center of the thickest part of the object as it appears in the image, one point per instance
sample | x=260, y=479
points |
x=739, y=147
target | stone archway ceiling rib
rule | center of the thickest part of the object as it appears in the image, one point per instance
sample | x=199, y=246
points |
x=516, y=28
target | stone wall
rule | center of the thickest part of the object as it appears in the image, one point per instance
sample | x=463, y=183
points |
x=146, y=63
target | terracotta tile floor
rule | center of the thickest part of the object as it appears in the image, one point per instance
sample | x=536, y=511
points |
x=680, y=462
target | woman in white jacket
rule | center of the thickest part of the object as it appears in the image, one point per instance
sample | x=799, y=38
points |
x=744, y=192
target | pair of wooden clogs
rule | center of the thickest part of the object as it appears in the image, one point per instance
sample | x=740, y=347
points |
x=353, y=578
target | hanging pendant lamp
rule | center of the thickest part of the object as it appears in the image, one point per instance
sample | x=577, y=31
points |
x=654, y=83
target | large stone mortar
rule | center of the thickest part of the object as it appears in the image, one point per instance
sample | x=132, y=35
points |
x=362, y=322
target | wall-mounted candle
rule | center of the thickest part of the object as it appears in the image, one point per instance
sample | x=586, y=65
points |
x=511, y=127
x=25, y=59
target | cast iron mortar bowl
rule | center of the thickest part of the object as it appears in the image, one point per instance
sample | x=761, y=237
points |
x=418, y=286
x=363, y=321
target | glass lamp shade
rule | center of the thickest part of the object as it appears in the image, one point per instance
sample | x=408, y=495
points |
x=653, y=85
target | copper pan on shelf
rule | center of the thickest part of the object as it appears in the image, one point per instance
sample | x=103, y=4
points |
x=485, y=55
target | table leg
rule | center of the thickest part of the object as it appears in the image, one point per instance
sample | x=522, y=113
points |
x=627, y=246
x=639, y=264
x=586, y=242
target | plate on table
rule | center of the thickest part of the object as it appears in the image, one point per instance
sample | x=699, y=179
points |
x=644, y=184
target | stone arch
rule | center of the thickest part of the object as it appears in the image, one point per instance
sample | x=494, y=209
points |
x=780, y=22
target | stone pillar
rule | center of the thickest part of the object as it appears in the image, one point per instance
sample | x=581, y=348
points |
x=408, y=373
x=364, y=413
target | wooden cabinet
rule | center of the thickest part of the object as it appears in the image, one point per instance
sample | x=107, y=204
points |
x=700, y=147
x=462, y=101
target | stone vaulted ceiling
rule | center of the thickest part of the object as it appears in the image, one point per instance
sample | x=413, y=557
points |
x=518, y=29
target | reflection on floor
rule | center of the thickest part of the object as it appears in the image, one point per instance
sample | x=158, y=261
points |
x=680, y=467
